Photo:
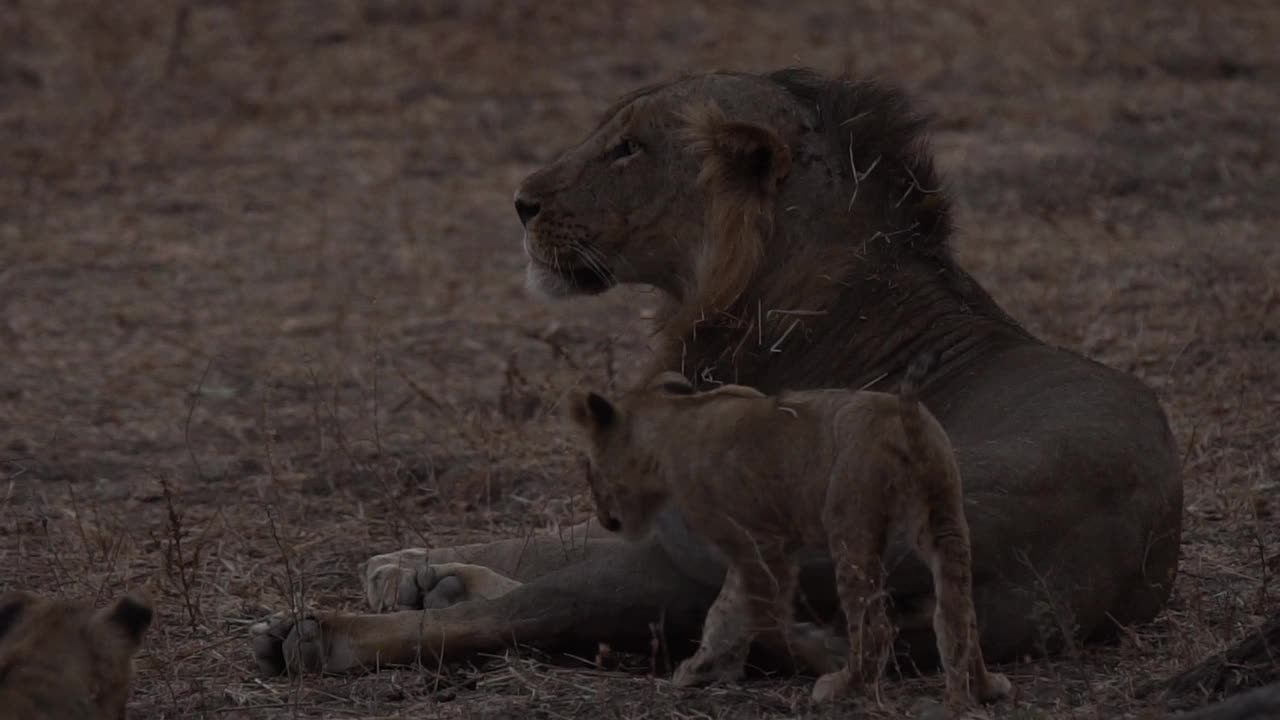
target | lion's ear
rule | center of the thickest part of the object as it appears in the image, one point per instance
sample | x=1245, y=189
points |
x=742, y=165
x=738, y=156
x=752, y=155
x=591, y=411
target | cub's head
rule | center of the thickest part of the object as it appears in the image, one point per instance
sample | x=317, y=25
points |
x=626, y=478
x=63, y=659
x=630, y=203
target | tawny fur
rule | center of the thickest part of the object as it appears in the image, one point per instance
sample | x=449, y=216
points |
x=742, y=165
x=63, y=660
x=1068, y=461
x=764, y=477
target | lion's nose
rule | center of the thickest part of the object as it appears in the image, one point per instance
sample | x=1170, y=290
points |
x=526, y=209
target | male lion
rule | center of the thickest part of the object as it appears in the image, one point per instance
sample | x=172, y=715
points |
x=63, y=660
x=797, y=227
x=760, y=477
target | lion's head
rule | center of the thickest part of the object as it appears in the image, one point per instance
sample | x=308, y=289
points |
x=623, y=206
x=63, y=659
x=702, y=186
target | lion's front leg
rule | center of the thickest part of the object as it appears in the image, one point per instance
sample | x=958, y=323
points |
x=418, y=578
x=408, y=580
x=620, y=594
x=338, y=643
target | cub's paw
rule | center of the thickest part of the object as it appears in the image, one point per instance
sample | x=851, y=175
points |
x=696, y=672
x=833, y=685
x=996, y=687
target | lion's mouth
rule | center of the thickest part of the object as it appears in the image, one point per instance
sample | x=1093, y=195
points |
x=580, y=276
x=586, y=279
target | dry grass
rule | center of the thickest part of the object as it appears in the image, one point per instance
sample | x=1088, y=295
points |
x=261, y=304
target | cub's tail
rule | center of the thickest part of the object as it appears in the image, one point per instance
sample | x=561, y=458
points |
x=909, y=403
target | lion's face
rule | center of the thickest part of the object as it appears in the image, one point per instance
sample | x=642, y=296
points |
x=627, y=204
x=626, y=484
x=612, y=209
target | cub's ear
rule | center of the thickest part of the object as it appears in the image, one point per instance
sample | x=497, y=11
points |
x=738, y=155
x=12, y=605
x=591, y=411
x=672, y=383
x=130, y=616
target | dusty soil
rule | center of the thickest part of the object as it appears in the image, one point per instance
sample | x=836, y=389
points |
x=262, y=313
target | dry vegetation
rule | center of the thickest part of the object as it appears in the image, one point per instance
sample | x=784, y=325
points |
x=262, y=315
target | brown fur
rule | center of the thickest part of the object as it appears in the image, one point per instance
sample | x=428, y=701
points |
x=1073, y=494
x=742, y=166
x=63, y=660
x=839, y=469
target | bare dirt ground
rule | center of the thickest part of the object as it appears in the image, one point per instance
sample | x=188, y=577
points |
x=262, y=312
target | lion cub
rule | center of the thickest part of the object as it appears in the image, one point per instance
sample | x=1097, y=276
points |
x=761, y=477
x=63, y=660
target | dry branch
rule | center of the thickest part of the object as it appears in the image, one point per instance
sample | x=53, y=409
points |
x=1250, y=663
x=1260, y=704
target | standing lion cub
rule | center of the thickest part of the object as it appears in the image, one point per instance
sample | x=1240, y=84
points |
x=761, y=477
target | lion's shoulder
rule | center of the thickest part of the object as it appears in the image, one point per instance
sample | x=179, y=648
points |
x=64, y=658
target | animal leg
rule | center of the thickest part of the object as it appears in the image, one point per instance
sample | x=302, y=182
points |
x=770, y=593
x=945, y=544
x=418, y=578
x=726, y=638
x=856, y=550
x=621, y=594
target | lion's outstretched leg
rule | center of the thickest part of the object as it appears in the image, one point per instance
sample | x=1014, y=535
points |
x=619, y=593
x=417, y=578
x=770, y=591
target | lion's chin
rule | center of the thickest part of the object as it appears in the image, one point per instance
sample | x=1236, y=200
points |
x=572, y=282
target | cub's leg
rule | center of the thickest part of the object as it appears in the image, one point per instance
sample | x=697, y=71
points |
x=770, y=592
x=856, y=545
x=944, y=543
x=726, y=638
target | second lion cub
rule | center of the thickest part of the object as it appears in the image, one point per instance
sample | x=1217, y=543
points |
x=761, y=477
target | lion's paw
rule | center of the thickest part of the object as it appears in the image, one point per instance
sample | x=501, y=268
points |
x=282, y=645
x=406, y=580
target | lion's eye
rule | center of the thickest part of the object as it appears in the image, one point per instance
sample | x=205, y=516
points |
x=625, y=148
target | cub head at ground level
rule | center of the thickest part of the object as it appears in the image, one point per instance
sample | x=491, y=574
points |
x=64, y=660
x=627, y=481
